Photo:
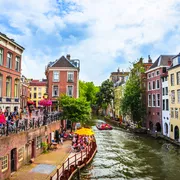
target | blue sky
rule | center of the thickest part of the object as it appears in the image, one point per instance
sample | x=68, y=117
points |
x=103, y=34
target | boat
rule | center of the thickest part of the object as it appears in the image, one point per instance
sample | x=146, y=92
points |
x=104, y=126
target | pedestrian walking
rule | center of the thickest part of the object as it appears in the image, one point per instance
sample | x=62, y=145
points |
x=61, y=137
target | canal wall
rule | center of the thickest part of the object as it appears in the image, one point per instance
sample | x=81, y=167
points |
x=143, y=131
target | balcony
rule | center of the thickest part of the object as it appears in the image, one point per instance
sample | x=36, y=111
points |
x=16, y=99
x=8, y=99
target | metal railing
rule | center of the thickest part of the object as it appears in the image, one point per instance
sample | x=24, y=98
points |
x=36, y=121
x=71, y=164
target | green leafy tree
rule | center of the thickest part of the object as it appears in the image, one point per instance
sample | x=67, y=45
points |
x=88, y=91
x=105, y=95
x=131, y=102
x=75, y=110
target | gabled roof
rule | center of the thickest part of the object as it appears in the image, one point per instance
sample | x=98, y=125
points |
x=162, y=61
x=62, y=62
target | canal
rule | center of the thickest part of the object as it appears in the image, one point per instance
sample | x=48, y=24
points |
x=123, y=155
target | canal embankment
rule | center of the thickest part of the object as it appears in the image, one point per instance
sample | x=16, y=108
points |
x=75, y=162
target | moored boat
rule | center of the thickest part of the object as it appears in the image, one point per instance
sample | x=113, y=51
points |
x=104, y=126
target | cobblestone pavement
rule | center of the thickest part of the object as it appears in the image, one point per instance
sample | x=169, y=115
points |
x=53, y=158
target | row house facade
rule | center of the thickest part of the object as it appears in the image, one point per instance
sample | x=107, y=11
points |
x=38, y=88
x=24, y=91
x=62, y=78
x=174, y=96
x=10, y=73
x=154, y=96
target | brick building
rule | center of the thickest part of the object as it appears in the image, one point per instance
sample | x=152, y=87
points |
x=10, y=72
x=154, y=92
x=18, y=149
x=24, y=91
x=62, y=78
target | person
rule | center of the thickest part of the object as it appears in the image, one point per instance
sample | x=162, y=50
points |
x=2, y=117
x=61, y=137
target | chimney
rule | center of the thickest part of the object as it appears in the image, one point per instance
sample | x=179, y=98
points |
x=68, y=56
x=169, y=63
x=149, y=59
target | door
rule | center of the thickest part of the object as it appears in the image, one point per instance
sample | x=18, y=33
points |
x=13, y=160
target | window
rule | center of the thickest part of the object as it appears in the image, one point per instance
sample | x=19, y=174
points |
x=167, y=104
x=16, y=88
x=163, y=91
x=171, y=128
x=157, y=84
x=158, y=100
x=35, y=95
x=172, y=112
x=149, y=76
x=39, y=89
x=178, y=78
x=1, y=56
x=17, y=64
x=55, y=76
x=152, y=75
x=163, y=104
x=70, y=76
x=162, y=79
x=165, y=78
x=154, y=100
x=38, y=142
x=178, y=95
x=176, y=113
x=55, y=91
x=70, y=91
x=8, y=87
x=149, y=100
x=149, y=86
x=173, y=97
x=34, y=88
x=154, y=85
x=1, y=80
x=39, y=95
x=172, y=79
x=4, y=163
x=21, y=154
x=9, y=60
x=166, y=90
x=157, y=73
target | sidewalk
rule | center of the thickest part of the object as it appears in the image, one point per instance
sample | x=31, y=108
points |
x=44, y=165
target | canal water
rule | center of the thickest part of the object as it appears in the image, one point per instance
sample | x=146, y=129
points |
x=123, y=155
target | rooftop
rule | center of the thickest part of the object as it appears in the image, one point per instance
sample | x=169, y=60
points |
x=12, y=40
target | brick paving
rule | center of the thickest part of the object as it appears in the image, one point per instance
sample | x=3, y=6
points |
x=55, y=157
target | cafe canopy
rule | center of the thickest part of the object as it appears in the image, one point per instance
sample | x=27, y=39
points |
x=84, y=131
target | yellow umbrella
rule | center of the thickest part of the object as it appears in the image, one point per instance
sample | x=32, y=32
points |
x=84, y=131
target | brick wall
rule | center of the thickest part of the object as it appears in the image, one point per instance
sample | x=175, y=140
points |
x=26, y=140
x=62, y=84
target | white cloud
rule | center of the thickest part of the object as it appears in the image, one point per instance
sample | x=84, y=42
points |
x=114, y=28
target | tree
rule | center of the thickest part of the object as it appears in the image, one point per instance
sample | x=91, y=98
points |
x=75, y=110
x=105, y=95
x=131, y=102
x=88, y=91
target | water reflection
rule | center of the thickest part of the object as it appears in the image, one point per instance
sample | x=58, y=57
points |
x=122, y=155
